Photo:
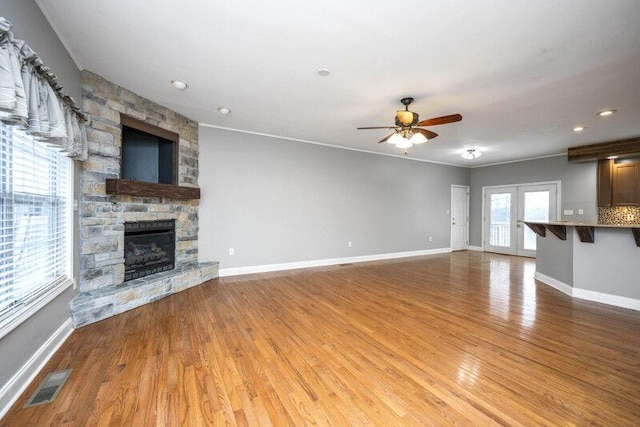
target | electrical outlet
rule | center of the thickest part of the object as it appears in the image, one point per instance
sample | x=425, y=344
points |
x=580, y=211
x=568, y=211
x=349, y=243
x=232, y=251
x=431, y=238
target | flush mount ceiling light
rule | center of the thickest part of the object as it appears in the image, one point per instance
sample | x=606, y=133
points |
x=605, y=113
x=224, y=110
x=179, y=84
x=471, y=154
x=324, y=72
x=578, y=128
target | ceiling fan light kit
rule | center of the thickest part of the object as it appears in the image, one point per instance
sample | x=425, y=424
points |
x=407, y=129
x=395, y=139
x=404, y=143
x=418, y=138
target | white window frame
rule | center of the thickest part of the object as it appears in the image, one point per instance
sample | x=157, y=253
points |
x=22, y=313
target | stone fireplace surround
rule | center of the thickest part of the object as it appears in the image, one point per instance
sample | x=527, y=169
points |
x=103, y=292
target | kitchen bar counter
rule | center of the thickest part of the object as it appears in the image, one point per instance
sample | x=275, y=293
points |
x=597, y=262
x=585, y=230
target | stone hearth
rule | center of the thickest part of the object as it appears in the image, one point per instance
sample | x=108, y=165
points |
x=103, y=292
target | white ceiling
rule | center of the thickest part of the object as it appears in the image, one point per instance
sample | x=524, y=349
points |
x=522, y=73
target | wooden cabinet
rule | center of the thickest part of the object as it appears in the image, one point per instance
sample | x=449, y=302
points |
x=618, y=183
x=605, y=184
x=626, y=184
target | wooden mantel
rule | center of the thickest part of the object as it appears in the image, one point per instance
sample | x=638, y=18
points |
x=125, y=187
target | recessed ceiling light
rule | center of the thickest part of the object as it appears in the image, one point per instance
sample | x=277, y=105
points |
x=578, y=128
x=606, y=112
x=224, y=110
x=179, y=84
x=612, y=157
x=324, y=72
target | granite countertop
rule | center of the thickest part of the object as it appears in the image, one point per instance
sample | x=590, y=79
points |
x=584, y=224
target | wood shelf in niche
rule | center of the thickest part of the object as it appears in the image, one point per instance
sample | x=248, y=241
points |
x=125, y=187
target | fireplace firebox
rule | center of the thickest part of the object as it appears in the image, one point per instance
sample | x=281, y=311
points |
x=149, y=248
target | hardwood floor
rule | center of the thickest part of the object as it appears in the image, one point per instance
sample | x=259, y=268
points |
x=463, y=338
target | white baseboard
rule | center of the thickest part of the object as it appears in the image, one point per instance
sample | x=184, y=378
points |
x=554, y=283
x=476, y=248
x=616, y=300
x=589, y=295
x=12, y=390
x=324, y=262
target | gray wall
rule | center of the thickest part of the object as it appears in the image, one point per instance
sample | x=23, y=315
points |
x=578, y=187
x=279, y=201
x=554, y=257
x=30, y=25
x=609, y=265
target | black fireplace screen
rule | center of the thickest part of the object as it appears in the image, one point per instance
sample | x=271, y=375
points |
x=149, y=248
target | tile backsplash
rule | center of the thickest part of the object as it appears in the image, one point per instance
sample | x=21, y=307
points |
x=619, y=215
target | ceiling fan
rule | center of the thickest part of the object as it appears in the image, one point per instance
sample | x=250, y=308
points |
x=407, y=130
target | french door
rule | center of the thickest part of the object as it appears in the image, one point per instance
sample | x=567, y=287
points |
x=505, y=210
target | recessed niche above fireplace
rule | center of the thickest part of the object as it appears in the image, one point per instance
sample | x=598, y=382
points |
x=149, y=153
x=149, y=163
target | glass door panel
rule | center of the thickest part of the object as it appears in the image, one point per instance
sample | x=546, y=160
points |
x=535, y=203
x=536, y=208
x=500, y=220
x=500, y=205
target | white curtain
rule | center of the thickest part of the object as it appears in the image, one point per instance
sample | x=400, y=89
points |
x=32, y=98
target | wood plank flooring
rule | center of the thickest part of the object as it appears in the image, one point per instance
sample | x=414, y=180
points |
x=466, y=338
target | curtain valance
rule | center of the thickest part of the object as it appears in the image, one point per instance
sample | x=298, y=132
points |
x=32, y=98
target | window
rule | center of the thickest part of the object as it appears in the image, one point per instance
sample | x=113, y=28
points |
x=35, y=225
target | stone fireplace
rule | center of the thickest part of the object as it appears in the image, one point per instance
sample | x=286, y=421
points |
x=113, y=224
x=149, y=248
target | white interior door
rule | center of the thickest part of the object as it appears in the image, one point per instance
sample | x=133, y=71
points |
x=459, y=217
x=505, y=210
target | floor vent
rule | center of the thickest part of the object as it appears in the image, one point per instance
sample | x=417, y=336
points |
x=49, y=388
x=345, y=265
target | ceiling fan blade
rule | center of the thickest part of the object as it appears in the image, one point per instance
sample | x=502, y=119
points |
x=386, y=138
x=441, y=120
x=427, y=133
x=378, y=127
